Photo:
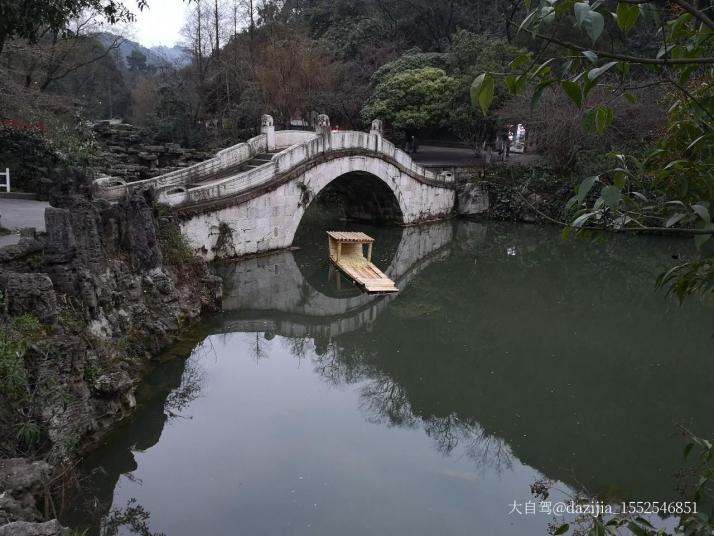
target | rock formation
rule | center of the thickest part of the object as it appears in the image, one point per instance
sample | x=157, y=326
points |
x=109, y=292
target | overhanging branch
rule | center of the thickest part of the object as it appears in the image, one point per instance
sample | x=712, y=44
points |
x=624, y=57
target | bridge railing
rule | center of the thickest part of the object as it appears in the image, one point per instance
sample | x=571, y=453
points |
x=289, y=159
x=113, y=188
x=370, y=142
x=175, y=188
x=288, y=138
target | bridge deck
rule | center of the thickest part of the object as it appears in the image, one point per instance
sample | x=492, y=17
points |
x=256, y=161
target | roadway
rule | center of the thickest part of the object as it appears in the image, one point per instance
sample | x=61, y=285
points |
x=16, y=214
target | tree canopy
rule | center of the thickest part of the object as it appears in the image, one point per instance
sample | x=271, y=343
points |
x=27, y=19
x=414, y=99
x=668, y=188
x=136, y=60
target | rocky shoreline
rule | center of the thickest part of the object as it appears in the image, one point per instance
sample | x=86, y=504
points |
x=85, y=306
x=514, y=198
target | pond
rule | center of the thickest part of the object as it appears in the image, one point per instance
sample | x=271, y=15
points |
x=508, y=356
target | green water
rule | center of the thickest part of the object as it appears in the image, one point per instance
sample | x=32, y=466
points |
x=507, y=356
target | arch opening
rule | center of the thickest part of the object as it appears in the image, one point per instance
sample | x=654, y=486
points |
x=355, y=201
x=358, y=196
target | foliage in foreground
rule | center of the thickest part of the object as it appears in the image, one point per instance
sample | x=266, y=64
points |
x=670, y=189
x=18, y=422
x=700, y=490
x=175, y=247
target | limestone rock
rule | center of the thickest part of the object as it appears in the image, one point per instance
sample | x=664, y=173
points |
x=141, y=233
x=113, y=383
x=61, y=244
x=21, y=481
x=472, y=198
x=24, y=528
x=98, y=275
x=29, y=293
x=21, y=256
x=124, y=151
x=19, y=474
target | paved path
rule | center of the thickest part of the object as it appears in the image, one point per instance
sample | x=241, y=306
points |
x=431, y=155
x=17, y=214
x=435, y=156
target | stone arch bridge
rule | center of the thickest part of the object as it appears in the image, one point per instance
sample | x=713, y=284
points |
x=251, y=197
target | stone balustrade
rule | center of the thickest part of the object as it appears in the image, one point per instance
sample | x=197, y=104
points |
x=183, y=187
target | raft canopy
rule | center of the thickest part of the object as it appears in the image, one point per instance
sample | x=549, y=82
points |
x=343, y=236
x=349, y=244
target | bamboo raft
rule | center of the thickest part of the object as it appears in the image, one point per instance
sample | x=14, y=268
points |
x=347, y=254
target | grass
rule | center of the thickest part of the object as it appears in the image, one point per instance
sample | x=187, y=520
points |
x=16, y=412
x=175, y=247
x=15, y=336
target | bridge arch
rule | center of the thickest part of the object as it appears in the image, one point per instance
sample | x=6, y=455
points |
x=356, y=196
x=372, y=188
x=269, y=217
x=251, y=197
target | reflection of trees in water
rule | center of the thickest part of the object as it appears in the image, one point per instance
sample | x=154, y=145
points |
x=486, y=450
x=298, y=346
x=193, y=382
x=166, y=393
x=385, y=401
x=258, y=348
x=336, y=364
x=133, y=517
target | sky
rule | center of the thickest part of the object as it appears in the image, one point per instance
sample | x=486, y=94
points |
x=158, y=24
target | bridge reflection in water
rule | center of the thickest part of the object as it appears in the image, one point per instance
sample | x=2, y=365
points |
x=259, y=291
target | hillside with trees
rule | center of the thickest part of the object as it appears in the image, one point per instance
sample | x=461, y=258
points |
x=587, y=84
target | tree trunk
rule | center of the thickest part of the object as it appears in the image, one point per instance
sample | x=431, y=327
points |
x=215, y=22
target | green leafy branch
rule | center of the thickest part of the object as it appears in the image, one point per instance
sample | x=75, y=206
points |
x=669, y=190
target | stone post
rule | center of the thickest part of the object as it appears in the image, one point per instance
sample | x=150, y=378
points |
x=323, y=128
x=267, y=127
x=377, y=130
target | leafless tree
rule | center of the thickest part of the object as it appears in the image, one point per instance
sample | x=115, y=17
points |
x=293, y=75
x=57, y=55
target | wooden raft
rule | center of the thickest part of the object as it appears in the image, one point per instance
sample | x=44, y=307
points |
x=347, y=253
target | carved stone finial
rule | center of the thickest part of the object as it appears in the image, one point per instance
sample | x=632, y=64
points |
x=267, y=127
x=323, y=121
x=377, y=127
x=322, y=127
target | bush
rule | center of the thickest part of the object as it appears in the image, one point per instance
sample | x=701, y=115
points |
x=175, y=247
x=18, y=428
x=28, y=154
